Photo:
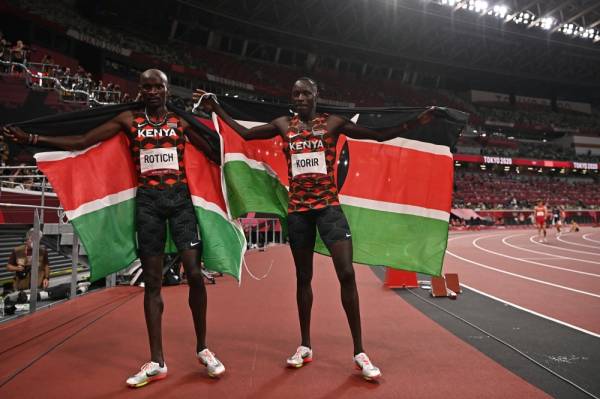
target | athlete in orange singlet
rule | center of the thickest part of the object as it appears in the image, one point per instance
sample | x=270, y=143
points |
x=309, y=145
x=157, y=142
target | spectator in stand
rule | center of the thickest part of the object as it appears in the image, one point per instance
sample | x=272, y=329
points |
x=117, y=94
x=20, y=262
x=18, y=54
x=4, y=51
x=109, y=95
x=100, y=92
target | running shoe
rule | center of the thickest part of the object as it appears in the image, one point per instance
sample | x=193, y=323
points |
x=213, y=365
x=149, y=372
x=363, y=363
x=303, y=355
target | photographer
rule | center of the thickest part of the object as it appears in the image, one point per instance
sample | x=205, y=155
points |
x=20, y=263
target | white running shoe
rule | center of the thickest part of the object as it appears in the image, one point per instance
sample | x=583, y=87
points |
x=214, y=367
x=303, y=355
x=149, y=372
x=363, y=363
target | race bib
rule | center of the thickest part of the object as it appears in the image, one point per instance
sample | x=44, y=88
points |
x=158, y=161
x=540, y=213
x=308, y=162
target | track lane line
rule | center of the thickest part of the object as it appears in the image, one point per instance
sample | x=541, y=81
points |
x=580, y=245
x=543, y=253
x=523, y=277
x=474, y=243
x=564, y=249
x=533, y=312
x=585, y=237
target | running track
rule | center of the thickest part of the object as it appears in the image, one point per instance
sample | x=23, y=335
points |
x=558, y=280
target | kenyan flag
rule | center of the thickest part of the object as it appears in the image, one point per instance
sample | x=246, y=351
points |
x=97, y=189
x=396, y=194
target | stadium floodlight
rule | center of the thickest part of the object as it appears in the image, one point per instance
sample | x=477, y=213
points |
x=480, y=6
x=500, y=11
x=589, y=33
x=524, y=17
x=547, y=23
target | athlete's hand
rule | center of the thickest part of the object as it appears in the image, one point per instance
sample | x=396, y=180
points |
x=427, y=115
x=15, y=134
x=208, y=103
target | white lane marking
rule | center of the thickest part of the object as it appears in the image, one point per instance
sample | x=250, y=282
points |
x=523, y=277
x=530, y=261
x=563, y=249
x=580, y=245
x=543, y=253
x=585, y=237
x=532, y=311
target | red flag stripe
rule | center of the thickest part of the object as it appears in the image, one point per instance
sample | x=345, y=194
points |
x=107, y=169
x=399, y=175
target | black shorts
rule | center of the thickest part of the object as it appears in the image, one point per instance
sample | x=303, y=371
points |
x=331, y=222
x=154, y=208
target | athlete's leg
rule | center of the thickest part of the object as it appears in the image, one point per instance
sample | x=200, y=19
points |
x=197, y=296
x=341, y=253
x=184, y=228
x=335, y=232
x=153, y=304
x=302, y=235
x=303, y=259
x=151, y=230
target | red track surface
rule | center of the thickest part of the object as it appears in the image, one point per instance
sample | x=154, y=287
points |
x=94, y=342
x=559, y=279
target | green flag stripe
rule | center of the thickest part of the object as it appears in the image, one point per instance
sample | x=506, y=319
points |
x=101, y=203
x=224, y=252
x=253, y=190
x=113, y=221
x=396, y=240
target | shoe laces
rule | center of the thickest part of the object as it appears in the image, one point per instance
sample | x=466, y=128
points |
x=147, y=367
x=299, y=352
x=364, y=359
x=209, y=357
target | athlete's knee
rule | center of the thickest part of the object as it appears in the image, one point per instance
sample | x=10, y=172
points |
x=346, y=275
x=152, y=287
x=303, y=278
x=195, y=277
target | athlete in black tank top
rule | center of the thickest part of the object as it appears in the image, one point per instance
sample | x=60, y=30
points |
x=157, y=141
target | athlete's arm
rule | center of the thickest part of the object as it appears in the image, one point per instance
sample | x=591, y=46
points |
x=199, y=142
x=76, y=142
x=338, y=125
x=12, y=265
x=266, y=131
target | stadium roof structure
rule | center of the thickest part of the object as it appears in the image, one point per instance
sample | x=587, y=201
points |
x=453, y=34
x=547, y=47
